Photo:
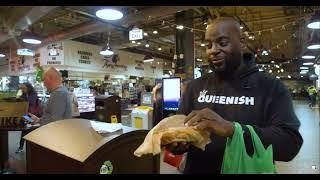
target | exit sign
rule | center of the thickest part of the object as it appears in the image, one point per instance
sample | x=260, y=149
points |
x=135, y=34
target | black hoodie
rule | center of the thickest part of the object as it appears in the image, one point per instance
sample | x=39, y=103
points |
x=248, y=97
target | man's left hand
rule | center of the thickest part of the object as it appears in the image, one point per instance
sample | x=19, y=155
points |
x=207, y=119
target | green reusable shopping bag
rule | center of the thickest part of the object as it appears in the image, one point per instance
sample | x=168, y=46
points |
x=237, y=161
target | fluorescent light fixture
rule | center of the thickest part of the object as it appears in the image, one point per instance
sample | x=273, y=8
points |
x=308, y=63
x=314, y=42
x=315, y=21
x=314, y=25
x=304, y=68
x=180, y=27
x=155, y=32
x=2, y=55
x=109, y=14
x=148, y=60
x=308, y=57
x=315, y=46
x=303, y=72
x=260, y=70
x=278, y=77
x=31, y=41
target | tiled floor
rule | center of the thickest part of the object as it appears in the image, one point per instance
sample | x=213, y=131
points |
x=306, y=162
x=308, y=159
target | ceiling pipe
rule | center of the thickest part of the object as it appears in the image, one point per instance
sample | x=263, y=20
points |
x=22, y=19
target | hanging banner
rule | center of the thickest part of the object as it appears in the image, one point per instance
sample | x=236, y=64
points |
x=54, y=54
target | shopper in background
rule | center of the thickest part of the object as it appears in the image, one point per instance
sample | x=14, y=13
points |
x=235, y=91
x=157, y=104
x=75, y=105
x=141, y=90
x=58, y=106
x=34, y=107
x=312, y=91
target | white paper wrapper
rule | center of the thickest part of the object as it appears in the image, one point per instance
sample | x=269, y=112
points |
x=173, y=125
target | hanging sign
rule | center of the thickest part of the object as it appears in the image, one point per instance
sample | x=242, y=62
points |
x=135, y=34
x=25, y=52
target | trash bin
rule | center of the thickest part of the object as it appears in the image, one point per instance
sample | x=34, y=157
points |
x=73, y=146
x=141, y=117
x=108, y=109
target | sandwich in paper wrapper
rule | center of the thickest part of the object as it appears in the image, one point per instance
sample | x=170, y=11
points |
x=169, y=130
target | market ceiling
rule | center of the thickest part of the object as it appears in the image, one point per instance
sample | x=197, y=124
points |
x=279, y=30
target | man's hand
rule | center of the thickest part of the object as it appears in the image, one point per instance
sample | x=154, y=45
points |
x=34, y=118
x=206, y=119
x=177, y=148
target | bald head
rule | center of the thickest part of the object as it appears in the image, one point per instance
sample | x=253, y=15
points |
x=52, y=78
x=225, y=45
x=228, y=22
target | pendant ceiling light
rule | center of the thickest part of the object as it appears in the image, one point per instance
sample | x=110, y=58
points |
x=31, y=38
x=109, y=14
x=148, y=58
x=315, y=21
x=107, y=51
x=308, y=55
x=314, y=42
x=308, y=63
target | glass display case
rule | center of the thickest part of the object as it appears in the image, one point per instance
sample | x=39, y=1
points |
x=86, y=102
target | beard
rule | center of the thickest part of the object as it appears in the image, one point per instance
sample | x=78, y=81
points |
x=229, y=66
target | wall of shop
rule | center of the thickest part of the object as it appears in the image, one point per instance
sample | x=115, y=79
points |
x=86, y=58
x=75, y=75
x=19, y=65
x=84, y=62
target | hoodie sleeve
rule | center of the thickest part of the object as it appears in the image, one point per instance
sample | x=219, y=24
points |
x=283, y=132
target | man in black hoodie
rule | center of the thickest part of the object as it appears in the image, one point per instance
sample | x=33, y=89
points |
x=236, y=91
